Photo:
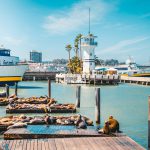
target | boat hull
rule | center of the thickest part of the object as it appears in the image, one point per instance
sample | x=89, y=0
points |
x=11, y=74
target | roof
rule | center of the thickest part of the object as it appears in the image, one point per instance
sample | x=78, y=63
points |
x=4, y=49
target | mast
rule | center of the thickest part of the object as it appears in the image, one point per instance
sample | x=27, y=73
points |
x=89, y=21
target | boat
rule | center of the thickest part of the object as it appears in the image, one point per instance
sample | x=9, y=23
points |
x=10, y=69
x=131, y=69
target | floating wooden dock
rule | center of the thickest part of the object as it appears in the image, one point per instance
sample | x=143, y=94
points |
x=35, y=76
x=11, y=111
x=135, y=80
x=4, y=103
x=53, y=131
x=88, y=143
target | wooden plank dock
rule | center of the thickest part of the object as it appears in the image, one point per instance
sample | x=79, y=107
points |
x=135, y=80
x=10, y=111
x=88, y=143
x=52, y=131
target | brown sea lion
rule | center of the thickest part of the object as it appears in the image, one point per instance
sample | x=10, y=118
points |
x=105, y=129
x=113, y=124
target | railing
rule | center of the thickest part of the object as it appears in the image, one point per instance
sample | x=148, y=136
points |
x=142, y=79
x=87, y=76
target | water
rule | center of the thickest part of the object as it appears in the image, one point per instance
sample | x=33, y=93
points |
x=128, y=103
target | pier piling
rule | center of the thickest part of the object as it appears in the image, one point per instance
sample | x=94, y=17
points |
x=78, y=95
x=97, y=107
x=149, y=122
x=7, y=90
x=16, y=88
x=49, y=88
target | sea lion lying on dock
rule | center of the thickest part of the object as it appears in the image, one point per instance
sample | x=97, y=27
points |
x=80, y=123
x=18, y=125
x=37, y=120
x=49, y=119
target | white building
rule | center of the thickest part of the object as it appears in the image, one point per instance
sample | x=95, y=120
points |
x=88, y=53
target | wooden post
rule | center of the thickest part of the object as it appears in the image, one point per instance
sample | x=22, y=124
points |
x=16, y=88
x=94, y=79
x=78, y=95
x=7, y=90
x=149, y=122
x=97, y=107
x=49, y=88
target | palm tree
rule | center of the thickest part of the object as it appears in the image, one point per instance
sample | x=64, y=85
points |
x=79, y=36
x=68, y=49
x=76, y=47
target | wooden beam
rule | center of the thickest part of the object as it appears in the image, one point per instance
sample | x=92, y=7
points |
x=78, y=96
x=49, y=88
x=97, y=107
x=7, y=90
x=149, y=122
x=16, y=88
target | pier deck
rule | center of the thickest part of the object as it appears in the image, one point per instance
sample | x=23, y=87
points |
x=90, y=143
x=53, y=131
x=11, y=111
x=136, y=80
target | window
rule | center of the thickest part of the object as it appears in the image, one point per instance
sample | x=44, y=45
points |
x=90, y=54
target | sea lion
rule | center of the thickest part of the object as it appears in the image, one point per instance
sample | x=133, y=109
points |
x=80, y=123
x=18, y=125
x=105, y=129
x=113, y=124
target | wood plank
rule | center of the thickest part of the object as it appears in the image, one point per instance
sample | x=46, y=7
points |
x=19, y=145
x=24, y=146
x=59, y=144
x=133, y=143
x=28, y=144
x=43, y=145
x=97, y=143
x=4, y=144
x=52, y=144
x=112, y=144
x=35, y=144
x=31, y=144
x=69, y=144
x=88, y=143
x=39, y=144
x=46, y=144
x=14, y=145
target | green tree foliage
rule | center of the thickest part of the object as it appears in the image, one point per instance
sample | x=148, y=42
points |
x=75, y=65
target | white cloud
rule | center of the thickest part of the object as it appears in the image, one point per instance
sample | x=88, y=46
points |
x=11, y=40
x=76, y=17
x=123, y=44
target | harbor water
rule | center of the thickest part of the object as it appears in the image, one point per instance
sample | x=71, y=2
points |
x=128, y=103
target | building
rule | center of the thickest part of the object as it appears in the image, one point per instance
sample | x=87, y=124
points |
x=36, y=57
x=6, y=59
x=88, y=54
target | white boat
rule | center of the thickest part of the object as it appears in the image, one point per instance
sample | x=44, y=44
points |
x=131, y=69
x=10, y=69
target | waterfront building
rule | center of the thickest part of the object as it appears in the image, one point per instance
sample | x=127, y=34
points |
x=36, y=56
x=88, y=53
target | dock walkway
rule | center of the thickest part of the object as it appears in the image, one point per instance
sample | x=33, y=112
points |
x=135, y=80
x=88, y=143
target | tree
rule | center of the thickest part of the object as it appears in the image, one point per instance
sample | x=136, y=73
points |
x=79, y=37
x=75, y=65
x=76, y=47
x=68, y=49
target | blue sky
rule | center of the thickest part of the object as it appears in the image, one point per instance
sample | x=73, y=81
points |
x=122, y=27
